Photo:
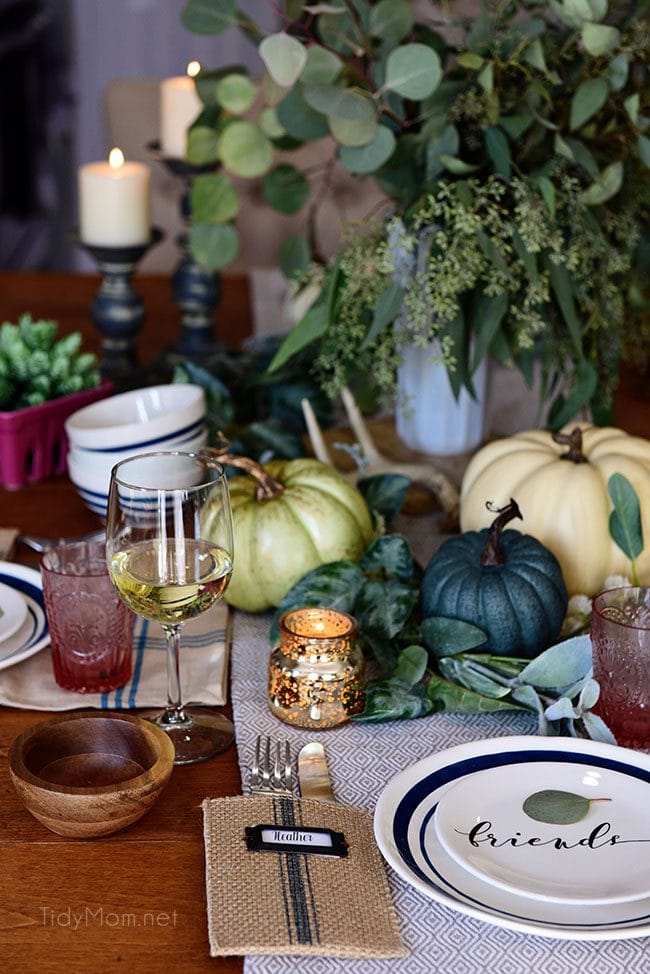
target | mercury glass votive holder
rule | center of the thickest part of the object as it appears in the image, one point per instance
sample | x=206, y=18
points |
x=316, y=673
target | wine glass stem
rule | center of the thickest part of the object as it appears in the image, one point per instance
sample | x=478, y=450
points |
x=174, y=712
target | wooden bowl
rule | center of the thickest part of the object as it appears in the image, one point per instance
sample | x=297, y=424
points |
x=87, y=774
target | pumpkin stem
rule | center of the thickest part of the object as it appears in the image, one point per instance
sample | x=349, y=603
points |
x=267, y=487
x=492, y=553
x=574, y=441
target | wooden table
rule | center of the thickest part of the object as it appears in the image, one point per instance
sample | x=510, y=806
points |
x=134, y=902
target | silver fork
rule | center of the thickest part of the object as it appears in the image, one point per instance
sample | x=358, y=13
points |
x=271, y=772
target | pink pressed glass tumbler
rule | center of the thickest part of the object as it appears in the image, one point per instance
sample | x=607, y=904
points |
x=620, y=638
x=91, y=629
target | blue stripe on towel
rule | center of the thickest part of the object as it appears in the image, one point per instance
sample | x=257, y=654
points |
x=137, y=667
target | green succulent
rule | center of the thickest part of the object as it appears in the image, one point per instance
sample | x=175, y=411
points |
x=35, y=367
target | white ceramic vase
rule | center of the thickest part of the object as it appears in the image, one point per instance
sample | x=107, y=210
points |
x=429, y=418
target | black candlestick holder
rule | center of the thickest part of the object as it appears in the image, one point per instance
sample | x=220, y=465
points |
x=195, y=289
x=117, y=309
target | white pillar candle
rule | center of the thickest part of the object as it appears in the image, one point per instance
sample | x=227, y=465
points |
x=114, y=202
x=179, y=107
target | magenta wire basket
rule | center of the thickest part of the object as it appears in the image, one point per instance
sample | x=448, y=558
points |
x=33, y=444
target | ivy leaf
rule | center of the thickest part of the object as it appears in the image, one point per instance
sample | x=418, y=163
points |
x=588, y=99
x=400, y=696
x=382, y=607
x=411, y=665
x=284, y=58
x=384, y=493
x=447, y=637
x=625, y=524
x=335, y=585
x=389, y=557
x=556, y=807
x=285, y=189
x=390, y=699
x=413, y=71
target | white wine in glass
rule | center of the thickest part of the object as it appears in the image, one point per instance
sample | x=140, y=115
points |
x=169, y=547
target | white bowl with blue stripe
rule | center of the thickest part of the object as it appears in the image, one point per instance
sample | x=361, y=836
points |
x=91, y=472
x=139, y=420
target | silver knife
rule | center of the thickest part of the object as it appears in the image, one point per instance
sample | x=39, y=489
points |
x=313, y=773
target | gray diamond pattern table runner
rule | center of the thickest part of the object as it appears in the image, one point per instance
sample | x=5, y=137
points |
x=362, y=758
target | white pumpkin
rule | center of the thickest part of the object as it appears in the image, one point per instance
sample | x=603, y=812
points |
x=562, y=494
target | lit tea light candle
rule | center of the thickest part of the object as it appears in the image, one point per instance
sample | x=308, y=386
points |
x=316, y=674
x=114, y=202
x=179, y=106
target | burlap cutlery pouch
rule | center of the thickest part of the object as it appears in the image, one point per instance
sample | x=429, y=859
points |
x=287, y=902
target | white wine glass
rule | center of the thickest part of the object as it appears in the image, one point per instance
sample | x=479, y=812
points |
x=169, y=548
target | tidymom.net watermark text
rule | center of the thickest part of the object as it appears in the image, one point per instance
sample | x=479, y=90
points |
x=77, y=919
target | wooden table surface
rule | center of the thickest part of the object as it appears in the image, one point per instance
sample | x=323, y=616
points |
x=134, y=902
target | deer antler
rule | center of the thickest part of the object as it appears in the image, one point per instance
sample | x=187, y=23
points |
x=375, y=462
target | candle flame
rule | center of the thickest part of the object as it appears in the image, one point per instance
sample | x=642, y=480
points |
x=116, y=158
x=193, y=69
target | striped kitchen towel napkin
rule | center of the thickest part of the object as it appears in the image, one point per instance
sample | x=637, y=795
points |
x=205, y=646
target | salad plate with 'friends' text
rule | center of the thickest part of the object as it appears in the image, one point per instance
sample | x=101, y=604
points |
x=546, y=835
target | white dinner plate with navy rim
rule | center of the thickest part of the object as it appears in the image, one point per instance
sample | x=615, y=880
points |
x=33, y=634
x=405, y=829
x=13, y=611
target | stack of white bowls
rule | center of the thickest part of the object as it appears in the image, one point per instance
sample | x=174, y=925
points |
x=150, y=420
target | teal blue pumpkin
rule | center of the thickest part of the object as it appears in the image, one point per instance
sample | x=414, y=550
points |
x=506, y=583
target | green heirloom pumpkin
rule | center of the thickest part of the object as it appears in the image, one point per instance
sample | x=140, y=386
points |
x=289, y=517
x=508, y=584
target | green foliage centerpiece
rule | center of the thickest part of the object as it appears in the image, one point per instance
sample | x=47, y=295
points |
x=515, y=148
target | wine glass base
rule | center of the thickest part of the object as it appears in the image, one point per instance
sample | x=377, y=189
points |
x=202, y=736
